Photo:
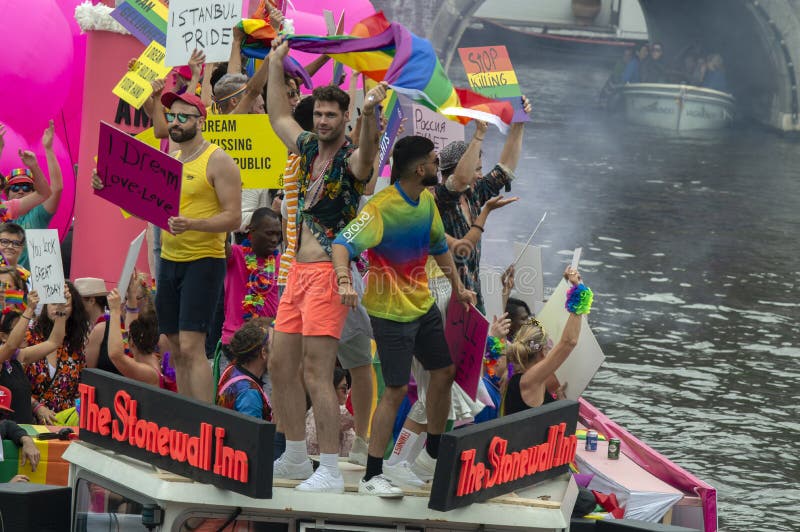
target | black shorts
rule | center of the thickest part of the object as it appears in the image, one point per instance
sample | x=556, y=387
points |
x=398, y=341
x=187, y=294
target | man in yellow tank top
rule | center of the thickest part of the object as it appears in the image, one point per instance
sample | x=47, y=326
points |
x=192, y=264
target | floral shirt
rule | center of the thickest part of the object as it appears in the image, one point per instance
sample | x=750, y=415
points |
x=338, y=200
x=457, y=226
x=60, y=392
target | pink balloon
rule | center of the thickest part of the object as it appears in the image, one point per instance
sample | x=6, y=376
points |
x=68, y=123
x=63, y=217
x=36, y=53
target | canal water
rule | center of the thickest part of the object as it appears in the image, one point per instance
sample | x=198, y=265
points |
x=690, y=244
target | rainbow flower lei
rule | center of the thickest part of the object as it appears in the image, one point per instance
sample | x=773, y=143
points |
x=495, y=347
x=261, y=278
x=579, y=299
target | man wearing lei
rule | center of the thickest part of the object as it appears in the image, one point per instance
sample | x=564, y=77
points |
x=251, y=288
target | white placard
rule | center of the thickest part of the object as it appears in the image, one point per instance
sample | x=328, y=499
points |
x=576, y=258
x=587, y=357
x=431, y=125
x=205, y=25
x=528, y=281
x=130, y=264
x=47, y=270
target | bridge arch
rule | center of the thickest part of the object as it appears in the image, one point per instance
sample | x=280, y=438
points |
x=759, y=41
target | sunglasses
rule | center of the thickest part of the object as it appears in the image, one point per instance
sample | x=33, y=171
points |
x=181, y=117
x=21, y=187
x=5, y=242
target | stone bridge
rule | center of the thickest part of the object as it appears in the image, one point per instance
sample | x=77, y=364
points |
x=759, y=41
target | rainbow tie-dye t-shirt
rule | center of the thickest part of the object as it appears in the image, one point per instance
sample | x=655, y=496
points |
x=400, y=234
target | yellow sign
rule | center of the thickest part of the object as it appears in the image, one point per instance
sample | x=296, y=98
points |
x=256, y=148
x=134, y=87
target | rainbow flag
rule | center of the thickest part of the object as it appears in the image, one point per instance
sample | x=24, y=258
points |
x=15, y=297
x=52, y=469
x=385, y=51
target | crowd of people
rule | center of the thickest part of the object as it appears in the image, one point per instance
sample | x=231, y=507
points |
x=268, y=303
x=645, y=63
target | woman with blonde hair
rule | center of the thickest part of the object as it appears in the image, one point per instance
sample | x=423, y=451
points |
x=535, y=358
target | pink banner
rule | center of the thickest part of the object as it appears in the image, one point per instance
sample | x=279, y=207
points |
x=101, y=232
x=139, y=178
x=653, y=462
x=466, y=331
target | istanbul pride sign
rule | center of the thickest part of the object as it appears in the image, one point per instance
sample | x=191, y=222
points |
x=137, y=177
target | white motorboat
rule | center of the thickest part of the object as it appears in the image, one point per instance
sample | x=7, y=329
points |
x=677, y=107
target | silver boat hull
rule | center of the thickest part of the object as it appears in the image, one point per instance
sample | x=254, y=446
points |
x=677, y=107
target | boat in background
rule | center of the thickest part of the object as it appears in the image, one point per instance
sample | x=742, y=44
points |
x=562, y=26
x=677, y=107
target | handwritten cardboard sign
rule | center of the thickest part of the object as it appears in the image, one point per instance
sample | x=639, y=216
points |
x=47, y=270
x=466, y=332
x=135, y=86
x=137, y=177
x=205, y=25
x=394, y=114
x=130, y=264
x=429, y=124
x=145, y=19
x=253, y=145
x=586, y=358
x=490, y=73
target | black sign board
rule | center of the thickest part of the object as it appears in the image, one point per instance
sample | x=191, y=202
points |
x=206, y=443
x=497, y=457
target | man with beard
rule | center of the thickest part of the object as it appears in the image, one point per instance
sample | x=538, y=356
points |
x=192, y=265
x=330, y=179
x=400, y=227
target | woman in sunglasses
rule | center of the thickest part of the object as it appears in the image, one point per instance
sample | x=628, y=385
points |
x=30, y=200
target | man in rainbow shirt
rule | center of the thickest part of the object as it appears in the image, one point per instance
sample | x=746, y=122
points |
x=400, y=227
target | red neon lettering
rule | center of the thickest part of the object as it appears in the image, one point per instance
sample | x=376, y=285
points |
x=121, y=400
x=103, y=421
x=87, y=397
x=193, y=451
x=177, y=445
x=466, y=466
x=240, y=466
x=219, y=433
x=163, y=441
x=495, y=457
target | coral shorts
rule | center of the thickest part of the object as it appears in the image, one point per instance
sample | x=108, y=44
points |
x=311, y=305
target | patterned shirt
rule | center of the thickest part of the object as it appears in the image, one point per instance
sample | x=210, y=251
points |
x=245, y=394
x=327, y=209
x=457, y=226
x=399, y=233
x=60, y=392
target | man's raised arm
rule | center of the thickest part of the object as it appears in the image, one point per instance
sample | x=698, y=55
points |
x=280, y=113
x=363, y=157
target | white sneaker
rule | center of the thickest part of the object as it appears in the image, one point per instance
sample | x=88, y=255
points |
x=282, y=468
x=424, y=466
x=358, y=452
x=379, y=485
x=323, y=481
x=401, y=474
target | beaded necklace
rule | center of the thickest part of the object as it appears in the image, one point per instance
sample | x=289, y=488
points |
x=261, y=277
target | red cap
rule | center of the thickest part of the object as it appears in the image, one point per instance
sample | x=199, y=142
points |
x=168, y=98
x=5, y=399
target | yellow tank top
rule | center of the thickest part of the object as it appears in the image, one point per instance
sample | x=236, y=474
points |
x=198, y=200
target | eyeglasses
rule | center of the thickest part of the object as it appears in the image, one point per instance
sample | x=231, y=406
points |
x=5, y=242
x=21, y=187
x=182, y=117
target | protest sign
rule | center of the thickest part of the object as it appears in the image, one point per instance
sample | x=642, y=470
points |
x=432, y=125
x=47, y=270
x=490, y=73
x=145, y=19
x=586, y=358
x=394, y=117
x=466, y=331
x=205, y=25
x=528, y=279
x=253, y=145
x=130, y=264
x=135, y=86
x=137, y=177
